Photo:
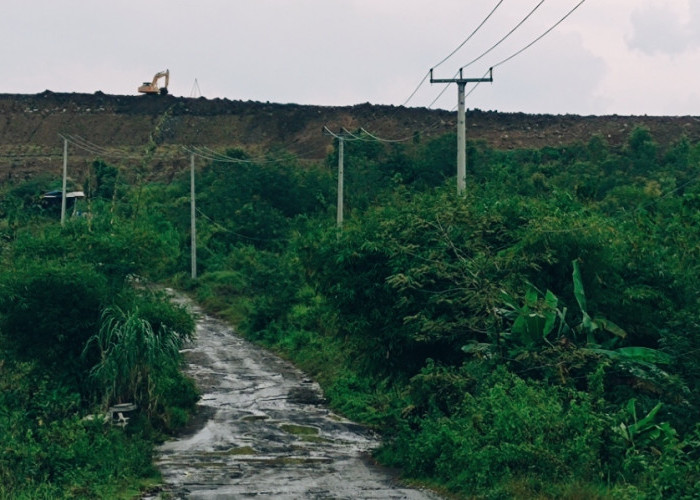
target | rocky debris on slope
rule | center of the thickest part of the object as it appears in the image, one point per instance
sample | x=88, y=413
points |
x=130, y=122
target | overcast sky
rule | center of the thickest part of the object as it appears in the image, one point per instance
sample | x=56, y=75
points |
x=609, y=57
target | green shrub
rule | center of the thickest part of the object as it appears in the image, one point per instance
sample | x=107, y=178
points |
x=49, y=451
x=509, y=429
x=49, y=310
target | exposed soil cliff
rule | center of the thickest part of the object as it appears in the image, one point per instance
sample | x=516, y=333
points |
x=30, y=128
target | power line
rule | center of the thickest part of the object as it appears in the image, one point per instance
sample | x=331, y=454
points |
x=199, y=151
x=415, y=91
x=475, y=86
x=19, y=156
x=97, y=150
x=517, y=53
x=441, y=92
x=343, y=134
x=539, y=37
x=211, y=155
x=471, y=35
x=453, y=53
x=371, y=137
x=506, y=35
x=380, y=139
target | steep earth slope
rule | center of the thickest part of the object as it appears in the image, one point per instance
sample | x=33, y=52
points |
x=151, y=131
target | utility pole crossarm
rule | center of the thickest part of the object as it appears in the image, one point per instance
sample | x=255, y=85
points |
x=461, y=80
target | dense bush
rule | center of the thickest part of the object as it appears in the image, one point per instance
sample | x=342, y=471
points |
x=533, y=338
x=48, y=450
x=506, y=429
x=49, y=309
x=57, y=288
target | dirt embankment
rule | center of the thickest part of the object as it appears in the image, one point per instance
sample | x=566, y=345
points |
x=121, y=128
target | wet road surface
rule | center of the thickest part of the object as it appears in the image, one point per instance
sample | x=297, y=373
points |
x=263, y=431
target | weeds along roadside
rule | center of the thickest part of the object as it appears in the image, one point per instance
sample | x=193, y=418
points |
x=403, y=318
x=77, y=337
x=535, y=324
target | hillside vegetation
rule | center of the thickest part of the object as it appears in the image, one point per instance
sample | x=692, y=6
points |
x=537, y=337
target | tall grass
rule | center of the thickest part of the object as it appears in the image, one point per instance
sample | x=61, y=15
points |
x=131, y=353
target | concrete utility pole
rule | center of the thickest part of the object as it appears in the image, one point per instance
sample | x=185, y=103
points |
x=461, y=129
x=341, y=174
x=65, y=176
x=192, y=217
x=342, y=137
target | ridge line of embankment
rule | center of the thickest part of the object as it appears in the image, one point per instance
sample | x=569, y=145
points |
x=30, y=125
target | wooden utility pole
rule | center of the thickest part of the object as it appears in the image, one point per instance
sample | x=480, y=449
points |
x=65, y=176
x=461, y=128
x=193, y=219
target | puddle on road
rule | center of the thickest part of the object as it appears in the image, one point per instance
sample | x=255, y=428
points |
x=262, y=430
x=299, y=430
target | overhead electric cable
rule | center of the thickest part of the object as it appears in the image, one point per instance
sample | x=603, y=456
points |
x=380, y=139
x=85, y=144
x=345, y=135
x=444, y=88
x=216, y=156
x=571, y=11
x=539, y=37
x=252, y=159
x=81, y=144
x=471, y=35
x=211, y=155
x=453, y=52
x=506, y=35
x=477, y=84
x=18, y=156
x=97, y=150
x=369, y=137
x=415, y=91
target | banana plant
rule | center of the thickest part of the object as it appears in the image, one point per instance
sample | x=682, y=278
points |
x=589, y=326
x=646, y=432
x=535, y=320
x=538, y=316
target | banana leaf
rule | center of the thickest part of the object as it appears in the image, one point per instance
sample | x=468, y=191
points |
x=636, y=354
x=578, y=289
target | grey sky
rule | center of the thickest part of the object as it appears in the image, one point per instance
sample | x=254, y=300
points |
x=609, y=57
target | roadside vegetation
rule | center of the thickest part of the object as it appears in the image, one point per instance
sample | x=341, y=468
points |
x=537, y=337
x=77, y=336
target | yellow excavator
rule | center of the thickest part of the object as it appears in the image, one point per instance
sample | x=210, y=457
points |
x=153, y=88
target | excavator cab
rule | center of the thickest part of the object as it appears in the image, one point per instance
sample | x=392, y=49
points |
x=153, y=88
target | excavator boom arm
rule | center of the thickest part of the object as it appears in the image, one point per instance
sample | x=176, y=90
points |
x=153, y=88
x=161, y=74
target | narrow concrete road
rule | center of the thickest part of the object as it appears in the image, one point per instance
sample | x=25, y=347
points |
x=263, y=431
